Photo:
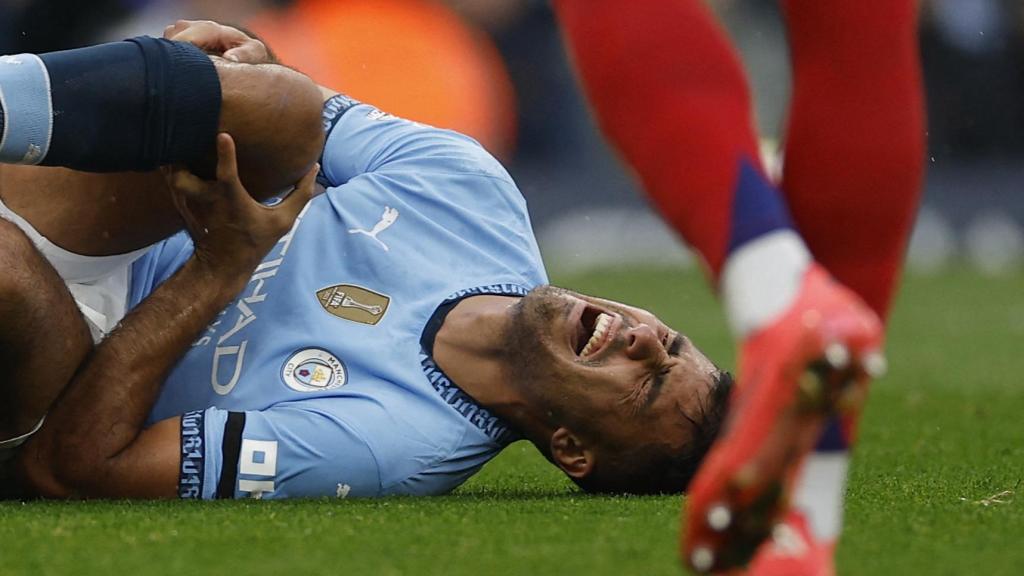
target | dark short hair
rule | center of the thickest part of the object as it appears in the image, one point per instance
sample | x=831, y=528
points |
x=653, y=469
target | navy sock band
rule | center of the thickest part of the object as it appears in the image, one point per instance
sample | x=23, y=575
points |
x=183, y=102
x=758, y=207
x=131, y=105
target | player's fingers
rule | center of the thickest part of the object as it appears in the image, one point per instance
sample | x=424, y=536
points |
x=192, y=224
x=308, y=182
x=206, y=34
x=227, y=163
x=183, y=29
x=180, y=201
x=207, y=42
x=174, y=29
x=176, y=196
x=249, y=51
x=184, y=183
x=290, y=207
x=229, y=35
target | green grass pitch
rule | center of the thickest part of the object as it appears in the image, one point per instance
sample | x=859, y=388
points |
x=936, y=483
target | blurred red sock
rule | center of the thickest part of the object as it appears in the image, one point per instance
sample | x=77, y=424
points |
x=852, y=178
x=669, y=92
x=855, y=145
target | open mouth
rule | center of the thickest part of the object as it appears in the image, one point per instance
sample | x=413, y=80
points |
x=594, y=330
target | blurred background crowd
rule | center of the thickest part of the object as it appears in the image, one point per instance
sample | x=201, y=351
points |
x=496, y=70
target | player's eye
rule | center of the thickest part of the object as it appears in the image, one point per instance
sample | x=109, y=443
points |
x=640, y=396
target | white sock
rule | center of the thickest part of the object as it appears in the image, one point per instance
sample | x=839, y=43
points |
x=820, y=489
x=761, y=279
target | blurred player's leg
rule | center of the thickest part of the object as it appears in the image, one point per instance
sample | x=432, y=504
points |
x=854, y=162
x=43, y=337
x=678, y=107
x=668, y=90
x=855, y=142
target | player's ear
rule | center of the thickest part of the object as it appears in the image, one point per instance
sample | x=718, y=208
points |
x=571, y=454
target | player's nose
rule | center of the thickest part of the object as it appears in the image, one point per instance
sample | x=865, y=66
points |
x=642, y=342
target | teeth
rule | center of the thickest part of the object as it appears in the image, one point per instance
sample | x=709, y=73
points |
x=603, y=322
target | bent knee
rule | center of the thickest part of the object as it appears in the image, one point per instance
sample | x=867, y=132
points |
x=16, y=248
x=273, y=113
x=27, y=278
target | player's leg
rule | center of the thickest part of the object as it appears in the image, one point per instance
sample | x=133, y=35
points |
x=43, y=337
x=678, y=107
x=90, y=213
x=669, y=91
x=854, y=156
x=133, y=106
x=853, y=170
x=108, y=107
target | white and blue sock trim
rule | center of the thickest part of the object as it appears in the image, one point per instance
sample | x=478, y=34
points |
x=767, y=257
x=26, y=109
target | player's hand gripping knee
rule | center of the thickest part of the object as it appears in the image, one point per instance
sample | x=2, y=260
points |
x=226, y=41
x=231, y=230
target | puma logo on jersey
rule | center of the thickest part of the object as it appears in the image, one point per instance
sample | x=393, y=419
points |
x=354, y=303
x=386, y=220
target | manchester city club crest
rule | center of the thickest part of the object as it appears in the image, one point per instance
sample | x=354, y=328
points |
x=313, y=370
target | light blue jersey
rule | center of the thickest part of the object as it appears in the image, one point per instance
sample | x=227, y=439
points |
x=318, y=380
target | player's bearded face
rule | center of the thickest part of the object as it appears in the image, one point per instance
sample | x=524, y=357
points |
x=611, y=373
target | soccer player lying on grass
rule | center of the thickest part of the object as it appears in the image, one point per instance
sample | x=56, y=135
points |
x=392, y=340
x=853, y=168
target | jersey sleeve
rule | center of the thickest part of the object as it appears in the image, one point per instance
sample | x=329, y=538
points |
x=410, y=158
x=462, y=204
x=157, y=265
x=286, y=451
x=362, y=139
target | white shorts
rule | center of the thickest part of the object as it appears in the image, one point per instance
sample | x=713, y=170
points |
x=99, y=284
